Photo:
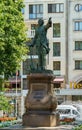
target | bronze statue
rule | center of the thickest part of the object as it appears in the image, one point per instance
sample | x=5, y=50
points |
x=41, y=42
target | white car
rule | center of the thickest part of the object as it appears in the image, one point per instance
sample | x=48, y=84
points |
x=68, y=111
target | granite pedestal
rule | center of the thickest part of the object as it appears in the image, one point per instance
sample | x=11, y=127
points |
x=40, y=102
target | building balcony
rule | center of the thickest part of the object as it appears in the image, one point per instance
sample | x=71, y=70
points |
x=13, y=92
x=30, y=33
x=59, y=91
x=57, y=72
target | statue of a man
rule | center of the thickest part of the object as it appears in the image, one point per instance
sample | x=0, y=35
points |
x=41, y=42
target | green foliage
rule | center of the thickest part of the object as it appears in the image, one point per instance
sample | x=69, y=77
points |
x=3, y=83
x=78, y=127
x=12, y=36
x=4, y=103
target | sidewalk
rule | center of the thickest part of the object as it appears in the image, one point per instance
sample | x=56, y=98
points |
x=19, y=127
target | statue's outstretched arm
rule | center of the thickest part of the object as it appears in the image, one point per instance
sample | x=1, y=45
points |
x=49, y=24
x=50, y=21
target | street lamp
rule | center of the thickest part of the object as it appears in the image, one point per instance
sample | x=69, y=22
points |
x=16, y=93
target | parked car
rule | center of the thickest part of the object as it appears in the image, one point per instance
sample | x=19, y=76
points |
x=68, y=111
x=79, y=108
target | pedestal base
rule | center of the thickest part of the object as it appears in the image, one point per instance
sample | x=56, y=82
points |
x=36, y=120
x=40, y=102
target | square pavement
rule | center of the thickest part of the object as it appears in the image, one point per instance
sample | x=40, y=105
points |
x=20, y=127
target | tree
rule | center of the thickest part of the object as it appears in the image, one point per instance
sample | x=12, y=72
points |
x=4, y=103
x=12, y=36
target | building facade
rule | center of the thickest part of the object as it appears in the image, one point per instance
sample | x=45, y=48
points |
x=65, y=43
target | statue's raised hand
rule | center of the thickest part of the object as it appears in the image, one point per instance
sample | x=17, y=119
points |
x=50, y=21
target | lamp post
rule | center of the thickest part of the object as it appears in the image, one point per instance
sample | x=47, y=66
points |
x=22, y=99
x=16, y=94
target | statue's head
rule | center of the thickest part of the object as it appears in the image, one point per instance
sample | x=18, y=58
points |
x=40, y=22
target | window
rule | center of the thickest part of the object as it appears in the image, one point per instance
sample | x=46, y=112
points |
x=35, y=11
x=78, y=45
x=17, y=73
x=25, y=84
x=56, y=49
x=76, y=113
x=30, y=63
x=33, y=26
x=57, y=85
x=77, y=97
x=78, y=26
x=78, y=64
x=56, y=8
x=56, y=65
x=56, y=30
x=78, y=7
x=26, y=67
x=23, y=10
x=63, y=111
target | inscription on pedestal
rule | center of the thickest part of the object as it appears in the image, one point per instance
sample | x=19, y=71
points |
x=38, y=94
x=38, y=91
